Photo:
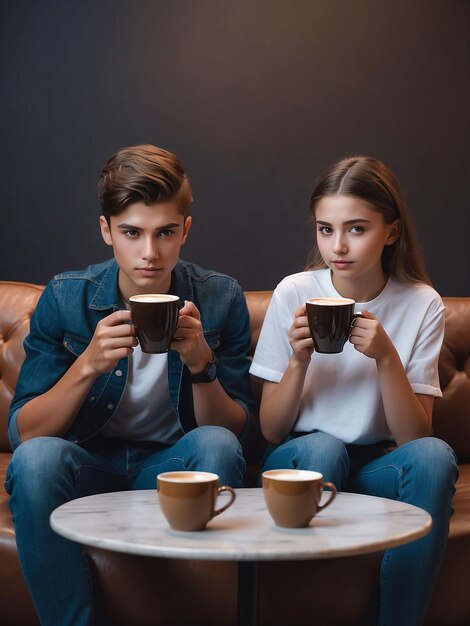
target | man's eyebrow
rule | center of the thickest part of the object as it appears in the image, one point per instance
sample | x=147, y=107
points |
x=171, y=225
x=356, y=221
x=138, y=228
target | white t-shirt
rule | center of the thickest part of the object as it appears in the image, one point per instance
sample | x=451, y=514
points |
x=145, y=411
x=341, y=393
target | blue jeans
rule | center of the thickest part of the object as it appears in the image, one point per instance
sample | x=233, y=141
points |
x=45, y=472
x=422, y=472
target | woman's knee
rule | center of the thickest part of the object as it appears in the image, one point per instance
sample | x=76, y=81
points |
x=431, y=455
x=429, y=475
x=317, y=451
x=319, y=445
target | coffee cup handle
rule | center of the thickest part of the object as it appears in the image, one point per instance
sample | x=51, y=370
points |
x=232, y=498
x=353, y=319
x=331, y=498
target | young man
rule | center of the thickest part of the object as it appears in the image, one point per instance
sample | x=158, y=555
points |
x=92, y=413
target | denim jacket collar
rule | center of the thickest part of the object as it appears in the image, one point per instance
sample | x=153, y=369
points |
x=181, y=284
x=107, y=295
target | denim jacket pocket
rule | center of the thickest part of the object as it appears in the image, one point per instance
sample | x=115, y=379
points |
x=75, y=345
x=213, y=338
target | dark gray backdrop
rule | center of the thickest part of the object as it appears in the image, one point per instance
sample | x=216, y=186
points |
x=256, y=96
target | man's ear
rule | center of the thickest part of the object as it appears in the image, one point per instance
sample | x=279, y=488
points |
x=186, y=226
x=105, y=231
x=393, y=232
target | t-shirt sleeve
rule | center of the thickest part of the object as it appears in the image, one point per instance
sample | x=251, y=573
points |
x=273, y=350
x=422, y=370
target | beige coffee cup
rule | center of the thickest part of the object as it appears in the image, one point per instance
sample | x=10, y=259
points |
x=188, y=499
x=293, y=496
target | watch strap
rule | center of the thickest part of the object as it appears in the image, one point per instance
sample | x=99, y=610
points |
x=208, y=374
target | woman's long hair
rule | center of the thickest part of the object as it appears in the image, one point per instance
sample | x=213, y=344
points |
x=373, y=182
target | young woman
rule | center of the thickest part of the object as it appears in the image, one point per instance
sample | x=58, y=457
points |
x=363, y=417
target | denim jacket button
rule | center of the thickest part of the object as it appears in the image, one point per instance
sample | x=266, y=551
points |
x=118, y=373
x=110, y=406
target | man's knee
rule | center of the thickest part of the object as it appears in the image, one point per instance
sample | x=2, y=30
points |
x=219, y=440
x=39, y=459
x=216, y=449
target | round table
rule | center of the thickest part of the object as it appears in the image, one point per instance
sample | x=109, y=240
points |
x=132, y=521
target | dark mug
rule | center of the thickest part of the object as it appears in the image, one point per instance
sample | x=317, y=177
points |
x=155, y=318
x=330, y=321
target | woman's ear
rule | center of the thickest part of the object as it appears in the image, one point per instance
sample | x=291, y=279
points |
x=393, y=232
x=105, y=231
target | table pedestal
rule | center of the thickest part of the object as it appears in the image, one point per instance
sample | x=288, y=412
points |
x=248, y=593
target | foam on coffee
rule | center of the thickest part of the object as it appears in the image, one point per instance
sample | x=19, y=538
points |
x=187, y=477
x=293, y=475
x=331, y=301
x=153, y=297
x=188, y=499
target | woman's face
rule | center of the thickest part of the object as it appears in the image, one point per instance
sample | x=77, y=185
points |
x=351, y=237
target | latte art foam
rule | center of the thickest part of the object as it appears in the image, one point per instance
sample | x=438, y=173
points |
x=187, y=477
x=153, y=297
x=331, y=301
x=294, y=475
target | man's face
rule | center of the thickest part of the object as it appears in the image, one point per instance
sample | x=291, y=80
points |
x=146, y=241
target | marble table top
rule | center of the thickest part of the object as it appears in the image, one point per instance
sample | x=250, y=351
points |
x=132, y=521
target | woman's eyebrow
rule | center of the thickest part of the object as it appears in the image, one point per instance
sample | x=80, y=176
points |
x=356, y=221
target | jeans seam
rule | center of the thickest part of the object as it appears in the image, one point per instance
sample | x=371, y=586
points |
x=398, y=470
x=173, y=458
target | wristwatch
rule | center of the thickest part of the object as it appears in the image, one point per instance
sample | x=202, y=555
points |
x=208, y=374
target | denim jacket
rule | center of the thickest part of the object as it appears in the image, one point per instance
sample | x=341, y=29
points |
x=65, y=319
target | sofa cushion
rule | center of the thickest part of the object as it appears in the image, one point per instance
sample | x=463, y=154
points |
x=450, y=603
x=17, y=303
x=451, y=415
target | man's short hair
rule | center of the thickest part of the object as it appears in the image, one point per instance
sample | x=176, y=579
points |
x=145, y=174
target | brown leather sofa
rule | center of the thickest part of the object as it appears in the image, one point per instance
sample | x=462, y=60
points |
x=141, y=591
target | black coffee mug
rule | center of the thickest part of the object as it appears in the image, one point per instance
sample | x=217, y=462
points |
x=155, y=318
x=330, y=321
